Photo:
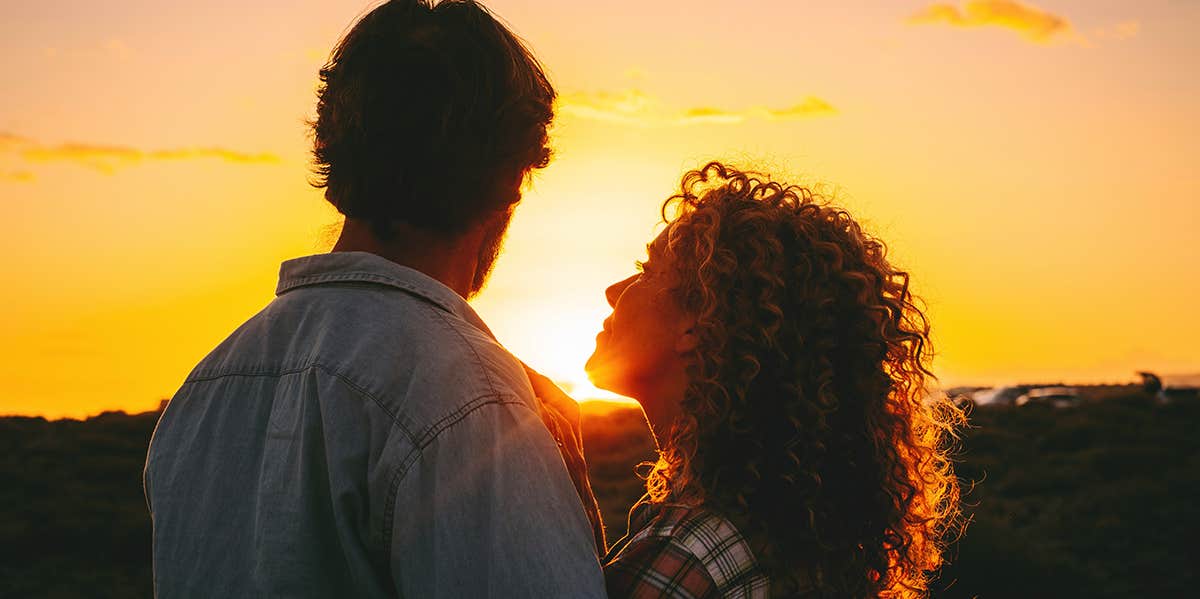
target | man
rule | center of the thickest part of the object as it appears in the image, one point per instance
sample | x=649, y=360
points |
x=364, y=435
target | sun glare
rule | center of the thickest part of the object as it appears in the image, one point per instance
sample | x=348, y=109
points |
x=586, y=391
x=558, y=346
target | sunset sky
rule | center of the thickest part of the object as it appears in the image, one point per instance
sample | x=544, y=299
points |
x=1035, y=166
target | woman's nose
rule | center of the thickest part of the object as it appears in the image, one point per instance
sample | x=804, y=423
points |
x=613, y=293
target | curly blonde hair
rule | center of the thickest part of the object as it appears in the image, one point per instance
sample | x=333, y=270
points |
x=806, y=418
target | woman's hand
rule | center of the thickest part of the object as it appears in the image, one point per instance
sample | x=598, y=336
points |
x=555, y=398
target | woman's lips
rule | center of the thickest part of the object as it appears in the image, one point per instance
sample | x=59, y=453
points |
x=603, y=331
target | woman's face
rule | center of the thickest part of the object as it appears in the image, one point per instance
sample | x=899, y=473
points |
x=640, y=352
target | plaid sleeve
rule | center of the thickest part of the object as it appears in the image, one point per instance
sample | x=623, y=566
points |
x=657, y=567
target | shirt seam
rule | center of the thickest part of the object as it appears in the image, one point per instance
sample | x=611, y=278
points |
x=478, y=360
x=431, y=434
x=359, y=276
x=279, y=372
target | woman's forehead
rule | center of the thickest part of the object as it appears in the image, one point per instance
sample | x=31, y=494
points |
x=662, y=241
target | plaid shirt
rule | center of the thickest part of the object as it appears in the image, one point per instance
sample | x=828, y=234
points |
x=682, y=552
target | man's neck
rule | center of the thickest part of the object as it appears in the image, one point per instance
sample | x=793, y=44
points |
x=452, y=261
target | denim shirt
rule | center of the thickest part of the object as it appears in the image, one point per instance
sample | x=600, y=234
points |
x=363, y=435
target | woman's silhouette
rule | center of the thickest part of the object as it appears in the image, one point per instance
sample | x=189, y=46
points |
x=782, y=363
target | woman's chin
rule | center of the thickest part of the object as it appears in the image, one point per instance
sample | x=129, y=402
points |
x=597, y=381
x=601, y=376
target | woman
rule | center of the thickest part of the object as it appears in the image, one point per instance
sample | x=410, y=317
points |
x=782, y=365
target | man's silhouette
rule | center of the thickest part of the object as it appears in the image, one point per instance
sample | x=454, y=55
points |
x=364, y=435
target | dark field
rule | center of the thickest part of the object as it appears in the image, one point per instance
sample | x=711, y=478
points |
x=1095, y=501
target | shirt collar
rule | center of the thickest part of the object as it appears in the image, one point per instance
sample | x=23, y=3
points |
x=365, y=267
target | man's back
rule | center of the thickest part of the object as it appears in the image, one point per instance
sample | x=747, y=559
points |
x=362, y=435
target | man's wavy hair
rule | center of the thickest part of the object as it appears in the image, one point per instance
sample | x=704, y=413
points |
x=430, y=113
x=807, y=419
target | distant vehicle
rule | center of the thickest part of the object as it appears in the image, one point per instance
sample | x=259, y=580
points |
x=1058, y=397
x=997, y=396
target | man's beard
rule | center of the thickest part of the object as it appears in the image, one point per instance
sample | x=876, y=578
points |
x=489, y=250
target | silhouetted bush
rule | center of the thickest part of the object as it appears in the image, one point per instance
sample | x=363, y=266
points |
x=1092, y=501
x=75, y=521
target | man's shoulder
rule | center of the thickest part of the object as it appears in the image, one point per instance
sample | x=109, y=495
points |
x=418, y=360
x=499, y=372
x=468, y=368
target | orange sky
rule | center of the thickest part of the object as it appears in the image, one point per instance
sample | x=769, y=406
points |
x=1034, y=167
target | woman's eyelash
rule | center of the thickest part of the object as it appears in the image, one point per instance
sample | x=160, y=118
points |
x=639, y=265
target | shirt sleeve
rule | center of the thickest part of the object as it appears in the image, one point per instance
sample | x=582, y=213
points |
x=656, y=567
x=488, y=510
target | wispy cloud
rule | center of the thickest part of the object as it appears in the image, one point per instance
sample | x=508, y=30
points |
x=17, y=176
x=8, y=141
x=635, y=107
x=1032, y=23
x=808, y=107
x=108, y=159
